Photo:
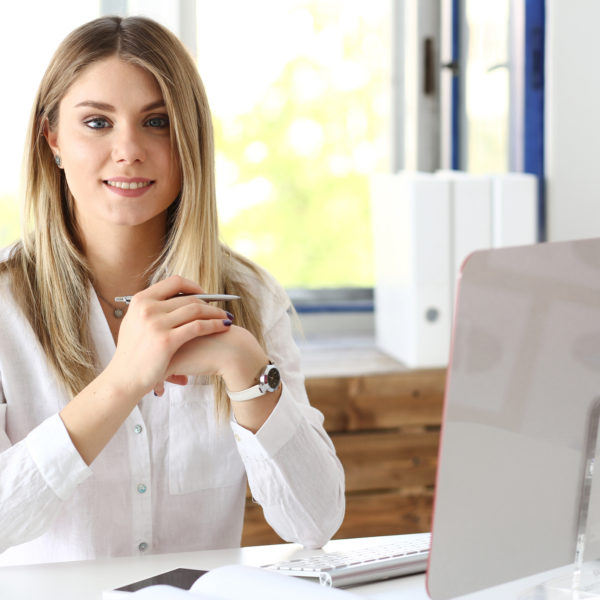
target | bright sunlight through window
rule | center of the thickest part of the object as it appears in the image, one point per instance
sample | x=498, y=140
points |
x=300, y=93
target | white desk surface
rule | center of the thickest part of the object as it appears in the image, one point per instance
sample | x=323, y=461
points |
x=86, y=580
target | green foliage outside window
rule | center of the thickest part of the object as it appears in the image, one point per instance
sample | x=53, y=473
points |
x=305, y=153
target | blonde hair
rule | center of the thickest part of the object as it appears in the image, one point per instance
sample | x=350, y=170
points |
x=49, y=273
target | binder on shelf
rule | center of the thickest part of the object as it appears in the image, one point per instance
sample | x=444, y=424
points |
x=514, y=209
x=412, y=247
x=425, y=226
x=470, y=219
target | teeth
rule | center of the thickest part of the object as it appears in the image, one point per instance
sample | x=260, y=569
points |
x=134, y=185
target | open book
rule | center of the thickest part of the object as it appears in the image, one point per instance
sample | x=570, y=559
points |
x=233, y=582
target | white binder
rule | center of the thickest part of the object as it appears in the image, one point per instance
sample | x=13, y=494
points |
x=470, y=218
x=425, y=227
x=412, y=252
x=514, y=209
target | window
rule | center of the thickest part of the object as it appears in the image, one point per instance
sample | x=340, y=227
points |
x=300, y=94
x=487, y=86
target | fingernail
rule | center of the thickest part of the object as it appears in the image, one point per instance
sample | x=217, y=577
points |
x=154, y=392
x=227, y=322
x=231, y=317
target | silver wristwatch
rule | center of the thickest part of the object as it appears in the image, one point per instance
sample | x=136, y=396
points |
x=268, y=381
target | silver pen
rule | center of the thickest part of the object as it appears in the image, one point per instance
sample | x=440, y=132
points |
x=205, y=297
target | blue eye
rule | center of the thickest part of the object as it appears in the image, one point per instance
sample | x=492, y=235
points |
x=158, y=122
x=97, y=123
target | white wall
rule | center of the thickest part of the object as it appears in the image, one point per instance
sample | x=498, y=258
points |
x=572, y=119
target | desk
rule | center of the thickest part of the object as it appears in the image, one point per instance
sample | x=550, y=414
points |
x=85, y=580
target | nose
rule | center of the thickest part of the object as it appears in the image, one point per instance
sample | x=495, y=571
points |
x=128, y=147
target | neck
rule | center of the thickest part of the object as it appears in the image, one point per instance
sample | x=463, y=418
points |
x=120, y=259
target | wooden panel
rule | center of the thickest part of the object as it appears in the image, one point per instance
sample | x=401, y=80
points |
x=366, y=515
x=388, y=460
x=379, y=401
x=374, y=462
x=386, y=514
x=257, y=531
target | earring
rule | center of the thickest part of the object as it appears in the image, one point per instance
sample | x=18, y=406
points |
x=58, y=161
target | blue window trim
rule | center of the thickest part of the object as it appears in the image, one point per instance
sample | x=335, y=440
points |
x=332, y=300
x=533, y=118
x=334, y=308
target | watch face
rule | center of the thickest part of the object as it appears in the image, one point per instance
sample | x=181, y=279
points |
x=273, y=378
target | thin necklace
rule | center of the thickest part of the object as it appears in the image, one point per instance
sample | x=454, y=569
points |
x=117, y=312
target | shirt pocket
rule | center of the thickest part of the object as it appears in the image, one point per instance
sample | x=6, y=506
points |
x=202, y=451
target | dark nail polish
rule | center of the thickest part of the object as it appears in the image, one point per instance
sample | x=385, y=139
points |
x=227, y=322
x=231, y=317
x=154, y=392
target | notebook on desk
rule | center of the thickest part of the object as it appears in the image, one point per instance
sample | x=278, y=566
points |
x=523, y=376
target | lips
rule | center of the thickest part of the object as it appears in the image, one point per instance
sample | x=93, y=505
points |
x=130, y=187
x=123, y=183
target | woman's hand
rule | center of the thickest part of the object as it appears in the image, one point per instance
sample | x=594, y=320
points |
x=237, y=357
x=159, y=321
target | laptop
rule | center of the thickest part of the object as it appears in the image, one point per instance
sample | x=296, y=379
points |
x=520, y=417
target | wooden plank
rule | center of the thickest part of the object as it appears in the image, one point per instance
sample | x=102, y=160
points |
x=257, y=531
x=388, y=459
x=379, y=401
x=366, y=515
x=386, y=514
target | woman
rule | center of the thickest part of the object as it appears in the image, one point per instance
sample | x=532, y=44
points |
x=98, y=455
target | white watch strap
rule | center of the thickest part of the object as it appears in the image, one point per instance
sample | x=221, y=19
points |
x=247, y=394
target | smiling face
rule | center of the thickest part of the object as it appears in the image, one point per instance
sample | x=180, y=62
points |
x=113, y=138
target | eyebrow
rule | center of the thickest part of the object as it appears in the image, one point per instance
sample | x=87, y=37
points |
x=111, y=108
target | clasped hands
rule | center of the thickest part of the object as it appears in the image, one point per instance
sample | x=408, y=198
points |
x=168, y=335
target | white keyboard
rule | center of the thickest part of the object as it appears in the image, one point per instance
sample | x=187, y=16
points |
x=341, y=569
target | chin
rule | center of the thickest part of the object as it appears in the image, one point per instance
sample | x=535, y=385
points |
x=151, y=220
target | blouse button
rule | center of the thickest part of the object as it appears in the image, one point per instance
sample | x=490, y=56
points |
x=138, y=429
x=141, y=488
x=143, y=547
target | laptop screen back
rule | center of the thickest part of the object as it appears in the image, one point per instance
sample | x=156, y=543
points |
x=524, y=374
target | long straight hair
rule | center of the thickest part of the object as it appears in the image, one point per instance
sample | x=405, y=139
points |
x=49, y=272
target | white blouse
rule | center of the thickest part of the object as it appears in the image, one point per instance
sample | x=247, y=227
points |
x=173, y=478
